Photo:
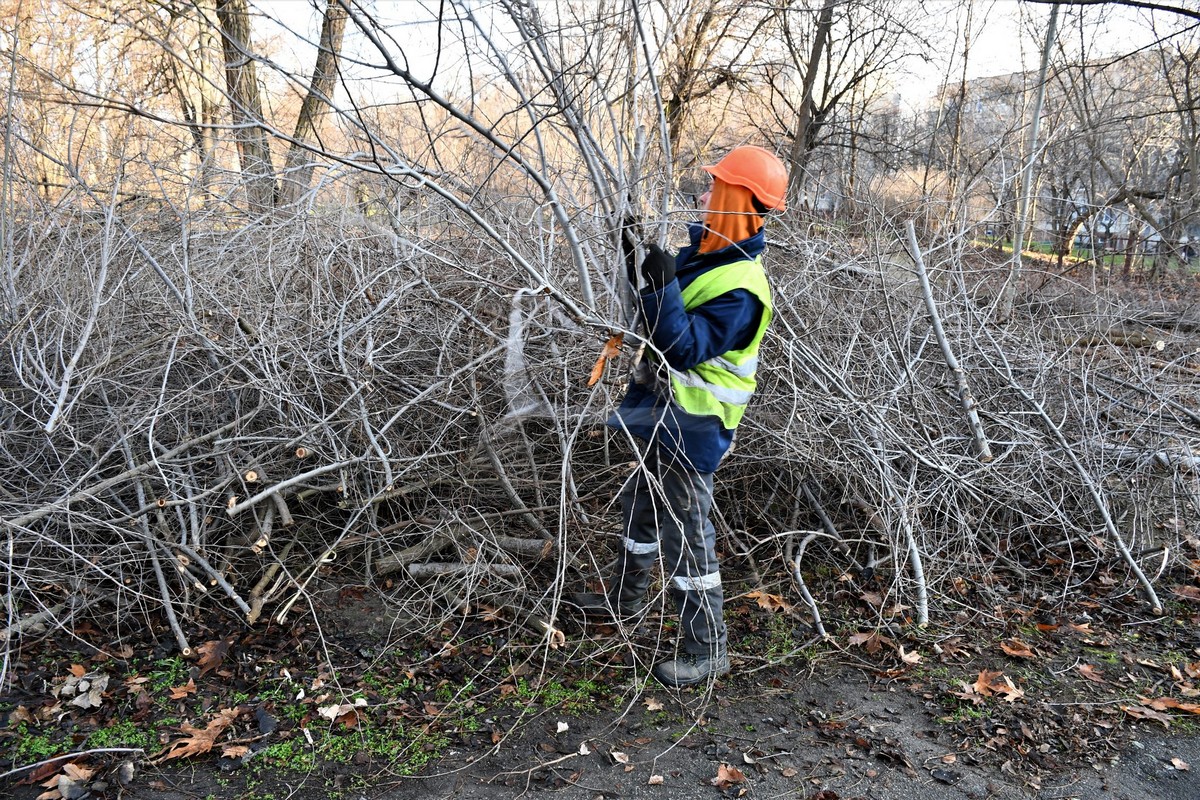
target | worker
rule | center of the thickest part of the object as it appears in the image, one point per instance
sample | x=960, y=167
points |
x=705, y=311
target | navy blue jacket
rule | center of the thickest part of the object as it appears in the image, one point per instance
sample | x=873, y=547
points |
x=688, y=338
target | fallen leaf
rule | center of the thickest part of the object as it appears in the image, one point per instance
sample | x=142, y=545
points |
x=909, y=658
x=968, y=693
x=871, y=641
x=619, y=757
x=874, y=598
x=78, y=670
x=1163, y=703
x=563, y=727
x=790, y=772
x=180, y=692
x=1147, y=713
x=1017, y=648
x=655, y=780
x=947, y=776
x=1091, y=673
x=994, y=682
x=653, y=704
x=728, y=776
x=197, y=742
x=1187, y=593
x=1180, y=764
x=234, y=750
x=77, y=773
x=769, y=602
x=983, y=684
x=211, y=655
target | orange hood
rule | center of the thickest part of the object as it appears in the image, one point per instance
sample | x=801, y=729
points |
x=731, y=217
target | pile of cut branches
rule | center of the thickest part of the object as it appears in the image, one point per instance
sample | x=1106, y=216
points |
x=213, y=419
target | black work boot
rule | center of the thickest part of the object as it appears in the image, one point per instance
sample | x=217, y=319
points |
x=596, y=604
x=690, y=669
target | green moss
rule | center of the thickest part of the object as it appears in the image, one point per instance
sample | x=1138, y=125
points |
x=32, y=747
x=294, y=755
x=124, y=733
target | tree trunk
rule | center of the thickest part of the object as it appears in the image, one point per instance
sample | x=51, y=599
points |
x=1008, y=294
x=798, y=155
x=254, y=148
x=298, y=168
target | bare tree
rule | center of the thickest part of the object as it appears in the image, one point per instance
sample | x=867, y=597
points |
x=298, y=168
x=241, y=79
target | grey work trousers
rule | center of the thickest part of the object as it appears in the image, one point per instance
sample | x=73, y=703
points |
x=665, y=509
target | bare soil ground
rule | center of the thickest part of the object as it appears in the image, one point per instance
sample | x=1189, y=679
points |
x=1094, y=700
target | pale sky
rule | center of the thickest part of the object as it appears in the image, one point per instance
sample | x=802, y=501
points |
x=1006, y=35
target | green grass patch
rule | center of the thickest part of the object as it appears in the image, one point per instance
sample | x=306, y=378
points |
x=123, y=733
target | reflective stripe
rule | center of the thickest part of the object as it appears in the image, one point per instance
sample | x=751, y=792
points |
x=699, y=584
x=723, y=394
x=744, y=370
x=640, y=548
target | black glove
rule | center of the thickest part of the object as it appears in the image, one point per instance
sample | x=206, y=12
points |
x=658, y=267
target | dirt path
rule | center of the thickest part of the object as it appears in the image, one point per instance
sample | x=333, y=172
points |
x=834, y=737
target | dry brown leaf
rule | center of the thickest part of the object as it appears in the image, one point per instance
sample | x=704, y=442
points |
x=1192, y=670
x=968, y=693
x=211, y=655
x=1138, y=712
x=790, y=772
x=78, y=670
x=871, y=642
x=653, y=704
x=995, y=682
x=234, y=750
x=197, y=742
x=610, y=350
x=1091, y=673
x=983, y=684
x=1187, y=593
x=1163, y=703
x=728, y=776
x=77, y=773
x=180, y=692
x=655, y=780
x=1017, y=648
x=1180, y=764
x=769, y=602
x=619, y=757
x=909, y=658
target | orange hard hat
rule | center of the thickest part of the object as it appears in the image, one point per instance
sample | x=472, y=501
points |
x=758, y=170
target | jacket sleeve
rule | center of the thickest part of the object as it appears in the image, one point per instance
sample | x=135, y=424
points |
x=688, y=338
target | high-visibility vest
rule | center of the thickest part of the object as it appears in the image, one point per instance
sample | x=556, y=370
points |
x=722, y=386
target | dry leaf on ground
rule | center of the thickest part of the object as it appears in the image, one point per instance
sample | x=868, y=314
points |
x=727, y=776
x=211, y=655
x=197, y=742
x=769, y=602
x=995, y=682
x=1017, y=648
x=1137, y=712
x=1163, y=703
